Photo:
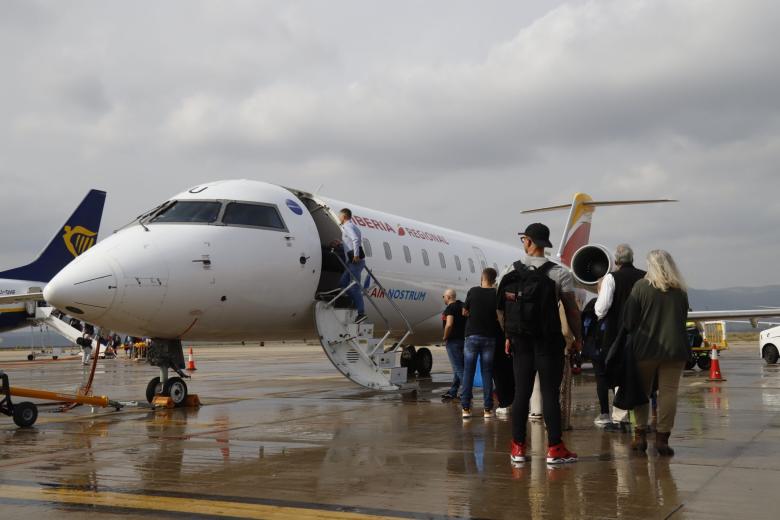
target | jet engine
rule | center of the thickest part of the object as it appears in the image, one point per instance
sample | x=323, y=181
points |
x=590, y=263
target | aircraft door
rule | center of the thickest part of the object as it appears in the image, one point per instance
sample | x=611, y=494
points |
x=329, y=231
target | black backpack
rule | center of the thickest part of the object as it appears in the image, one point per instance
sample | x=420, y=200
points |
x=593, y=333
x=531, y=304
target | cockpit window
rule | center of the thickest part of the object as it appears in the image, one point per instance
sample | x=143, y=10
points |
x=253, y=215
x=195, y=211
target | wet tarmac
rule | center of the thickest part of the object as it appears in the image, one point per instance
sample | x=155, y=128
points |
x=281, y=435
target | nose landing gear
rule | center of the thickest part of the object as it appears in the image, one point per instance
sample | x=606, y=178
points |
x=164, y=391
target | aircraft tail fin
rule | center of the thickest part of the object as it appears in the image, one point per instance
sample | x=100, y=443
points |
x=577, y=231
x=79, y=233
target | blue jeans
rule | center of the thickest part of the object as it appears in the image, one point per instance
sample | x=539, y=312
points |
x=483, y=347
x=354, y=291
x=455, y=353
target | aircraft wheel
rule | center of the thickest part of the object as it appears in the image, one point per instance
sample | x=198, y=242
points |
x=704, y=362
x=55, y=358
x=30, y=357
x=423, y=361
x=25, y=414
x=691, y=361
x=176, y=389
x=770, y=354
x=408, y=360
x=153, y=388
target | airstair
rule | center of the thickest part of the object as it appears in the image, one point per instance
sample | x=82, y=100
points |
x=356, y=350
x=46, y=316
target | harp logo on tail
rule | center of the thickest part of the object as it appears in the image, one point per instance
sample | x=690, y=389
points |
x=78, y=239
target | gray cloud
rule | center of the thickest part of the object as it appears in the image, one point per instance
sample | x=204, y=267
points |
x=444, y=111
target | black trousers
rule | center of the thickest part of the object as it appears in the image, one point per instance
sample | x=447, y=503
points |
x=530, y=357
x=602, y=386
x=503, y=375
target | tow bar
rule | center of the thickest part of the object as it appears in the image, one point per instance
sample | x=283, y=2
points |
x=26, y=413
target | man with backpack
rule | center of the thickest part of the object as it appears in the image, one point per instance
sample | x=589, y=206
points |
x=527, y=306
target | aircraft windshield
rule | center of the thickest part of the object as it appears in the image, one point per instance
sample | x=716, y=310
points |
x=253, y=215
x=194, y=211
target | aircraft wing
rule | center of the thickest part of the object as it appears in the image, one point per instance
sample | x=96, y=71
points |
x=21, y=298
x=751, y=315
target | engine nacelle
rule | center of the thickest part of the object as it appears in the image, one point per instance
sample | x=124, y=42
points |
x=590, y=263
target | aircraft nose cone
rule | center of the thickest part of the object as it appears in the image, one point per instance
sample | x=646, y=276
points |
x=85, y=288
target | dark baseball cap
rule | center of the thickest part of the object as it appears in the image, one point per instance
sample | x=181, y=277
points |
x=538, y=233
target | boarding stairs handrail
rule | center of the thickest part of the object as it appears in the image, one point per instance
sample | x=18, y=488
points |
x=364, y=291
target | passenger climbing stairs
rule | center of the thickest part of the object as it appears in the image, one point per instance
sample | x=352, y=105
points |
x=356, y=350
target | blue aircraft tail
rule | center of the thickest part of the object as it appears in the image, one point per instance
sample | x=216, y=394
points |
x=79, y=233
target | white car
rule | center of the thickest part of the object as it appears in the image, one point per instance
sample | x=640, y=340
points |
x=769, y=343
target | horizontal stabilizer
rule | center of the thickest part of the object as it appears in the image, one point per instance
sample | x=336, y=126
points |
x=599, y=203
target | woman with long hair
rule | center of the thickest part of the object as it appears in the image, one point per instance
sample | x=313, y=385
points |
x=655, y=316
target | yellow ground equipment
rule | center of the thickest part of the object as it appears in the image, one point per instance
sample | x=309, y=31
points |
x=703, y=338
x=25, y=413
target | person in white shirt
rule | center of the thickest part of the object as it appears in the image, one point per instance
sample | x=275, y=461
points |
x=614, y=290
x=352, y=244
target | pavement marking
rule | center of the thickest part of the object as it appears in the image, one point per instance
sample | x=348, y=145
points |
x=169, y=504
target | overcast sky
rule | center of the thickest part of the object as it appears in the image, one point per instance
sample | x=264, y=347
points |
x=457, y=113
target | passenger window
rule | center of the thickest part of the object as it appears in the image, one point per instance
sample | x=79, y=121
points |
x=253, y=215
x=367, y=248
x=193, y=211
x=388, y=251
x=407, y=255
x=457, y=262
x=471, y=266
x=426, y=261
x=441, y=261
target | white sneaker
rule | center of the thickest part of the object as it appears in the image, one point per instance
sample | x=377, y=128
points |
x=502, y=412
x=488, y=414
x=466, y=413
x=602, y=420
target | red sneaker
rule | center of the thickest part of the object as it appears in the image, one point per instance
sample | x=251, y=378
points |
x=518, y=451
x=558, y=454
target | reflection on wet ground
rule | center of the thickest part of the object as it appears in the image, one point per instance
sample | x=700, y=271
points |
x=282, y=435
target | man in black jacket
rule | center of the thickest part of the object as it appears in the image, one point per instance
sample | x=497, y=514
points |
x=614, y=290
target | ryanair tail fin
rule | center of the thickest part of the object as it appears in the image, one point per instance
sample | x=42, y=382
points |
x=79, y=233
x=577, y=232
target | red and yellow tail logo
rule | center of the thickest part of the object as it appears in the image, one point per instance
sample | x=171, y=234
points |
x=577, y=233
x=78, y=239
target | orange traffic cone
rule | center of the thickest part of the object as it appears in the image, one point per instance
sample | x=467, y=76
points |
x=191, y=362
x=715, y=374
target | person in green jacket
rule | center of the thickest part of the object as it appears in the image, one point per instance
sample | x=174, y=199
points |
x=655, y=316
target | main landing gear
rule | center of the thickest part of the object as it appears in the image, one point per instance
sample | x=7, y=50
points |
x=164, y=391
x=419, y=361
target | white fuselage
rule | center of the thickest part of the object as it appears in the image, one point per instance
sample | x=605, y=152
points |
x=222, y=281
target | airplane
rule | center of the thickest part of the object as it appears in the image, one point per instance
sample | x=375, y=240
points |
x=25, y=284
x=246, y=260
